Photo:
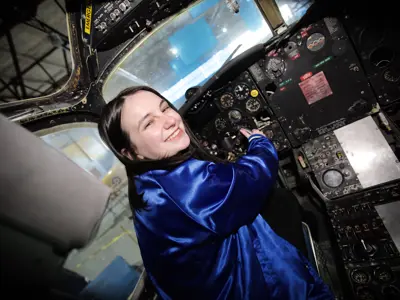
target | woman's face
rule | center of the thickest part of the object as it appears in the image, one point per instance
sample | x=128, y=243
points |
x=155, y=130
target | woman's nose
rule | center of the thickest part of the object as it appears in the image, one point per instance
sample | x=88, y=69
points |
x=169, y=122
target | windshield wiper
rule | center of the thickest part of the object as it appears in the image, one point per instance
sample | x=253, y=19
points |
x=231, y=55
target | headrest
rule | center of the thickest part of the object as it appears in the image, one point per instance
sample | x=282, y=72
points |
x=43, y=193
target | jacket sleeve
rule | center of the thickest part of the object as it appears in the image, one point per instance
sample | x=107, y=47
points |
x=224, y=197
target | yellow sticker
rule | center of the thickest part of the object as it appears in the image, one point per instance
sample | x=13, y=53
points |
x=88, y=17
x=254, y=93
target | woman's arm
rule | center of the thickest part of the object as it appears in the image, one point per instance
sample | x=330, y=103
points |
x=224, y=197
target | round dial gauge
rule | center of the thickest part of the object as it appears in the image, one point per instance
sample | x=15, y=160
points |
x=316, y=42
x=220, y=124
x=241, y=91
x=333, y=178
x=226, y=100
x=235, y=115
x=190, y=92
x=360, y=276
x=275, y=67
x=384, y=274
x=391, y=76
x=253, y=105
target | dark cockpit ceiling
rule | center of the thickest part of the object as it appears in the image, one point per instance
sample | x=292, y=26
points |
x=325, y=91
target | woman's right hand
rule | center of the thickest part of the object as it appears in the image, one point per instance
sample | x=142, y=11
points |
x=247, y=133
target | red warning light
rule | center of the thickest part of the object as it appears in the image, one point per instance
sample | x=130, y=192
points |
x=306, y=76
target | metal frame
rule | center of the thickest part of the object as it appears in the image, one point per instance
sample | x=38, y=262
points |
x=17, y=85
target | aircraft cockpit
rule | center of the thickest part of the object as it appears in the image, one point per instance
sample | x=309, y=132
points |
x=321, y=79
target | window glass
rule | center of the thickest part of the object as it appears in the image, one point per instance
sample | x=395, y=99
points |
x=292, y=10
x=116, y=237
x=84, y=147
x=189, y=48
x=42, y=52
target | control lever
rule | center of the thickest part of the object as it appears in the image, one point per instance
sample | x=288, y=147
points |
x=228, y=143
x=365, y=247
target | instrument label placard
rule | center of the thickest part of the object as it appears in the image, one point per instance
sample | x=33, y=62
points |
x=88, y=17
x=315, y=88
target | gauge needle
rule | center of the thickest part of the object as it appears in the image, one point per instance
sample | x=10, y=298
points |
x=363, y=243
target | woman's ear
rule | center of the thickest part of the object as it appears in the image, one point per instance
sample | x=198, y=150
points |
x=127, y=154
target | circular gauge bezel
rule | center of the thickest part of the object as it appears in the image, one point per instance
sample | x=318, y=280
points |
x=253, y=100
x=316, y=42
x=241, y=97
x=232, y=98
x=388, y=270
x=352, y=275
x=191, y=91
x=233, y=119
x=223, y=121
x=330, y=171
x=397, y=78
x=274, y=74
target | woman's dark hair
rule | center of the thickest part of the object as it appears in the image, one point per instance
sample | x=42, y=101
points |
x=116, y=139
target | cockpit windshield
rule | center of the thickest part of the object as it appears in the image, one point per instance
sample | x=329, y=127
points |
x=189, y=48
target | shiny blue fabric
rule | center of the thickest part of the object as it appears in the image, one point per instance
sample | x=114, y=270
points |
x=202, y=236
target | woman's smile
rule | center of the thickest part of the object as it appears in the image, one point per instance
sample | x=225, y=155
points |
x=177, y=134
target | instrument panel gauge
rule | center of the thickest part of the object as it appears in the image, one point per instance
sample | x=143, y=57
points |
x=191, y=91
x=316, y=42
x=275, y=67
x=220, y=124
x=226, y=100
x=241, y=91
x=391, y=76
x=360, y=276
x=384, y=274
x=235, y=115
x=253, y=105
x=333, y=178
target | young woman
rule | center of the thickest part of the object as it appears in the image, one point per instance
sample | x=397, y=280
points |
x=197, y=219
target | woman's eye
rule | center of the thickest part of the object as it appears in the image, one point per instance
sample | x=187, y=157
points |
x=148, y=124
x=165, y=108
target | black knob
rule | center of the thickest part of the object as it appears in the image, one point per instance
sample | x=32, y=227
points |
x=227, y=143
x=364, y=250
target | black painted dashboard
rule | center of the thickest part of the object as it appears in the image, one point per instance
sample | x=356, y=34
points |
x=298, y=94
x=218, y=116
x=309, y=85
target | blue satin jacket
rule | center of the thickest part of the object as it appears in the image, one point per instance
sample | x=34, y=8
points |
x=202, y=236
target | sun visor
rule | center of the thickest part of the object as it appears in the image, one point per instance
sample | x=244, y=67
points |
x=44, y=194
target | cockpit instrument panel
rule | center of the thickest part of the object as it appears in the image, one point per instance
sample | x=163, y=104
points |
x=314, y=83
x=218, y=116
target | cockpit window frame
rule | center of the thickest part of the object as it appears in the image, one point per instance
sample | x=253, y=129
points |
x=144, y=36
